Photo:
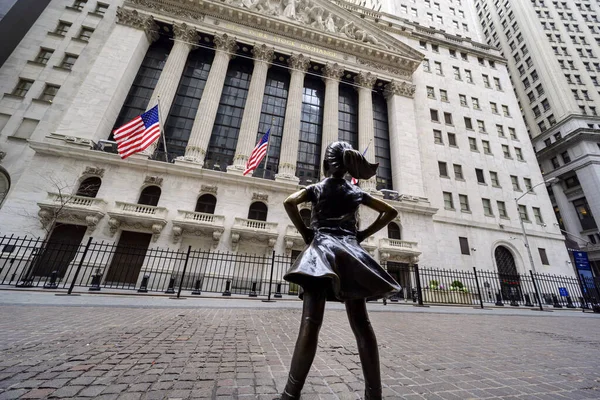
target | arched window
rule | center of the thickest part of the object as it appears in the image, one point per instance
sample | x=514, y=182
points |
x=150, y=196
x=4, y=184
x=89, y=187
x=305, y=214
x=206, y=204
x=258, y=211
x=394, y=231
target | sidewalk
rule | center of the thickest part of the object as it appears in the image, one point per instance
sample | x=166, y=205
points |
x=149, y=347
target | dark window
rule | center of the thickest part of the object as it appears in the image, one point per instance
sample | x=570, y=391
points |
x=43, y=56
x=348, y=116
x=49, y=92
x=183, y=111
x=101, y=8
x=22, y=87
x=206, y=204
x=85, y=34
x=68, y=61
x=480, y=177
x=273, y=116
x=258, y=211
x=585, y=214
x=543, y=256
x=226, y=129
x=434, y=115
x=464, y=245
x=305, y=214
x=145, y=81
x=394, y=231
x=382, y=142
x=79, y=4
x=555, y=163
x=468, y=123
x=572, y=182
x=150, y=196
x=565, y=157
x=62, y=28
x=311, y=130
x=89, y=187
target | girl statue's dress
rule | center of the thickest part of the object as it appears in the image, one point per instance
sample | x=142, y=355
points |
x=335, y=267
x=334, y=254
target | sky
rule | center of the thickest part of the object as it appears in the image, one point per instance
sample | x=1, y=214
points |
x=5, y=5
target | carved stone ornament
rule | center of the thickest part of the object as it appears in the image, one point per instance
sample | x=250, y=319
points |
x=396, y=88
x=333, y=71
x=139, y=21
x=299, y=62
x=91, y=221
x=161, y=8
x=94, y=171
x=153, y=180
x=113, y=225
x=365, y=79
x=260, y=197
x=263, y=53
x=381, y=67
x=185, y=33
x=225, y=43
x=208, y=189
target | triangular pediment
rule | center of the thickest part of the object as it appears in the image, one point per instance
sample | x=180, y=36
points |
x=319, y=22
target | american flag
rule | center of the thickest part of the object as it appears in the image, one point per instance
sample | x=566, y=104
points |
x=258, y=153
x=138, y=134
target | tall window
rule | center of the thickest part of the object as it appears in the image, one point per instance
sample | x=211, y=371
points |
x=584, y=213
x=272, y=116
x=311, y=129
x=394, y=231
x=145, y=81
x=348, y=116
x=206, y=204
x=183, y=111
x=258, y=211
x=89, y=187
x=150, y=196
x=382, y=142
x=223, y=140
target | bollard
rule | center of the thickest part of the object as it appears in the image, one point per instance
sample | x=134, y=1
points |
x=52, y=284
x=144, y=286
x=171, y=288
x=570, y=302
x=499, y=302
x=583, y=304
x=555, y=302
x=528, y=302
x=227, y=291
x=197, y=287
x=277, y=294
x=513, y=301
x=253, y=291
x=96, y=282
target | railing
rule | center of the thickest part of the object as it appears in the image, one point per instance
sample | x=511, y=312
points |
x=269, y=227
x=141, y=209
x=395, y=243
x=31, y=262
x=212, y=219
x=77, y=201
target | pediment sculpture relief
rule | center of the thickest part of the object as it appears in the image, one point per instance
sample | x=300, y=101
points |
x=309, y=12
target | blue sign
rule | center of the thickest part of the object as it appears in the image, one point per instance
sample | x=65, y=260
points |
x=581, y=261
x=563, y=291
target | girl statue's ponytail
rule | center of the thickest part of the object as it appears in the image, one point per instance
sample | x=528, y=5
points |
x=357, y=165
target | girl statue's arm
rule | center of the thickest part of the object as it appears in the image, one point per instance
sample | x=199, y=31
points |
x=386, y=214
x=291, y=207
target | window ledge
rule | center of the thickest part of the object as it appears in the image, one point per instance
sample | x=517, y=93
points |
x=466, y=211
x=62, y=68
x=482, y=183
x=13, y=96
x=41, y=101
x=474, y=151
x=489, y=215
x=503, y=217
x=76, y=39
x=73, y=8
x=56, y=35
x=20, y=139
x=453, y=145
x=449, y=209
x=488, y=153
x=444, y=176
x=39, y=64
x=497, y=186
x=95, y=14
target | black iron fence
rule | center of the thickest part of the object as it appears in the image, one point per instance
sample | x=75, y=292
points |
x=33, y=262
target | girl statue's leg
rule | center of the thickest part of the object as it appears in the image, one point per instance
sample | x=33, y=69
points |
x=367, y=347
x=306, y=345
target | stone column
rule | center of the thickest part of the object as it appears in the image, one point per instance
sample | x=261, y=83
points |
x=263, y=56
x=332, y=74
x=105, y=87
x=293, y=112
x=166, y=87
x=407, y=175
x=366, y=125
x=567, y=212
x=225, y=47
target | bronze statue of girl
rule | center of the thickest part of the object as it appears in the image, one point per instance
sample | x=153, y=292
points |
x=334, y=266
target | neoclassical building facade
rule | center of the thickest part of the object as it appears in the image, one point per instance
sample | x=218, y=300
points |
x=435, y=108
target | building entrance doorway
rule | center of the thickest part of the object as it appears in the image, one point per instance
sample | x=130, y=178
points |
x=510, y=281
x=128, y=259
x=401, y=272
x=60, y=249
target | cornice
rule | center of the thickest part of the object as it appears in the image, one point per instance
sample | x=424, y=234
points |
x=139, y=21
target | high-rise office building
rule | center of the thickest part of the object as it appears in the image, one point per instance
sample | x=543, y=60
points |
x=410, y=83
x=553, y=50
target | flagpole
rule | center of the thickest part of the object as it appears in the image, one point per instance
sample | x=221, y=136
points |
x=162, y=133
x=268, y=144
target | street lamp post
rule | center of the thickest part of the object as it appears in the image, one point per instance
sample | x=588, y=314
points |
x=523, y=225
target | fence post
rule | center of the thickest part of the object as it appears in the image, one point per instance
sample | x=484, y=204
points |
x=271, y=278
x=187, y=258
x=87, y=247
x=478, y=289
x=582, y=300
x=419, y=291
x=537, y=292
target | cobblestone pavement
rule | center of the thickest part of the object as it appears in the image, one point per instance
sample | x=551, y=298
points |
x=102, y=351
